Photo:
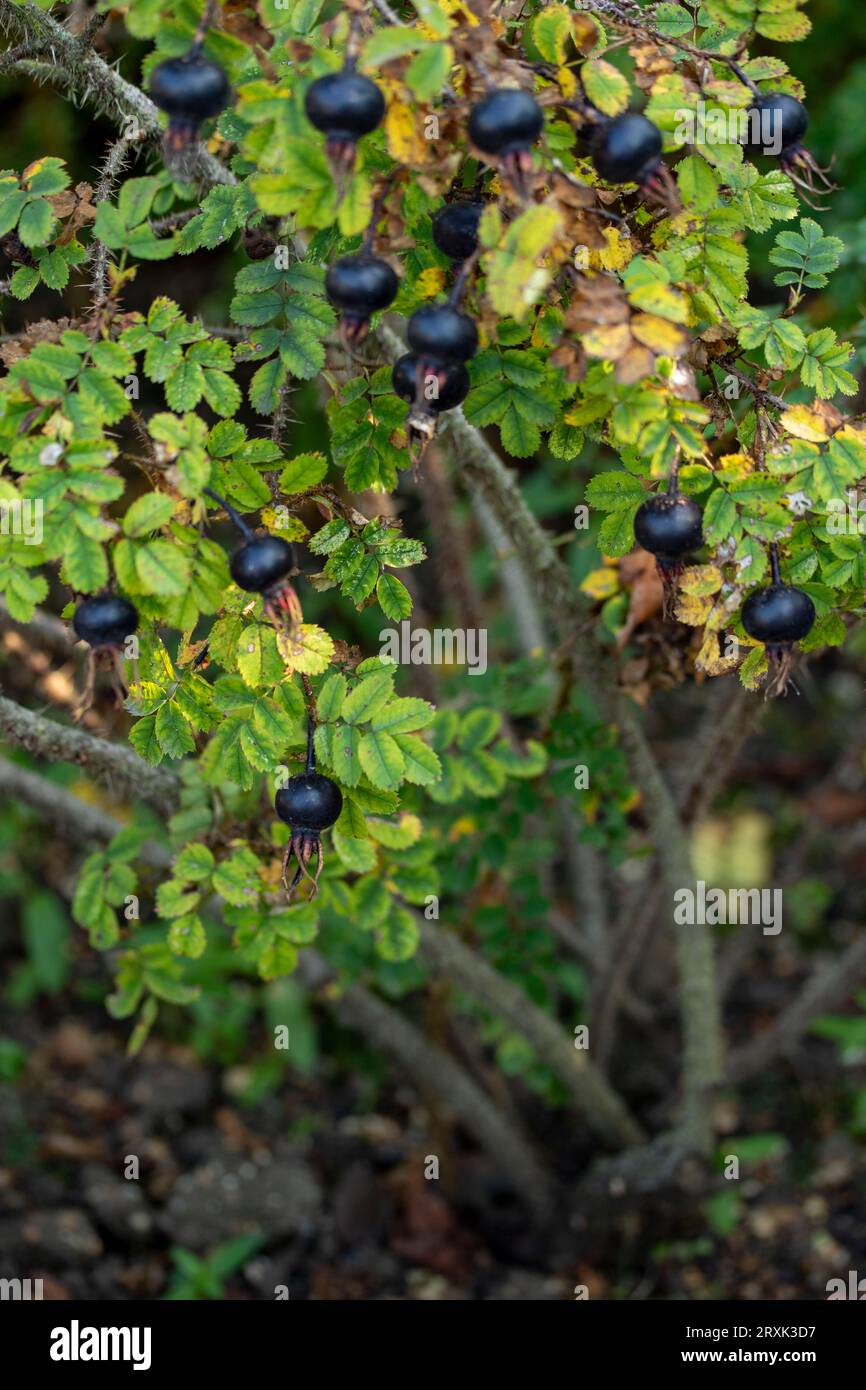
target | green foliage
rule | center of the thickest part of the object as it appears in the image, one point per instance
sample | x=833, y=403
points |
x=618, y=354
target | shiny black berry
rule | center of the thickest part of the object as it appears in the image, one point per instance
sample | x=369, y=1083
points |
x=361, y=284
x=105, y=620
x=189, y=89
x=455, y=229
x=668, y=526
x=442, y=332
x=260, y=563
x=777, y=122
x=309, y=803
x=506, y=121
x=778, y=614
x=344, y=105
x=626, y=149
x=443, y=385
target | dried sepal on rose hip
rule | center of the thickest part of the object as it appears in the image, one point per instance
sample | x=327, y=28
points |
x=104, y=622
x=309, y=803
x=778, y=615
x=504, y=126
x=430, y=387
x=263, y=565
x=190, y=90
x=670, y=527
x=777, y=125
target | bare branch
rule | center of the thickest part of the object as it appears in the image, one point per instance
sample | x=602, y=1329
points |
x=113, y=765
x=827, y=988
x=43, y=628
x=603, y=1109
x=74, y=819
x=698, y=1000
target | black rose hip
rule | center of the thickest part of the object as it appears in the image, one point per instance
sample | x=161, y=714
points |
x=777, y=124
x=439, y=385
x=779, y=615
x=669, y=526
x=344, y=106
x=455, y=229
x=104, y=622
x=504, y=126
x=359, y=286
x=189, y=90
x=263, y=565
x=309, y=803
x=442, y=332
x=626, y=149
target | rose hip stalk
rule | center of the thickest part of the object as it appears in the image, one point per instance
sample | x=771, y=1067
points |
x=778, y=615
x=309, y=803
x=262, y=565
x=104, y=622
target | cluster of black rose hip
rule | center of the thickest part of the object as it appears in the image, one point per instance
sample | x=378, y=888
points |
x=346, y=106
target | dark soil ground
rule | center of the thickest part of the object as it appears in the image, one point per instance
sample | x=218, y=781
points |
x=340, y=1197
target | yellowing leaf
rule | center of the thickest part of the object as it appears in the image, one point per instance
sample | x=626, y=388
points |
x=309, y=649
x=601, y=584
x=609, y=343
x=700, y=580
x=710, y=658
x=567, y=82
x=551, y=30
x=405, y=136
x=515, y=280
x=617, y=252
x=605, y=86
x=430, y=282
x=693, y=610
x=804, y=423
x=663, y=337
